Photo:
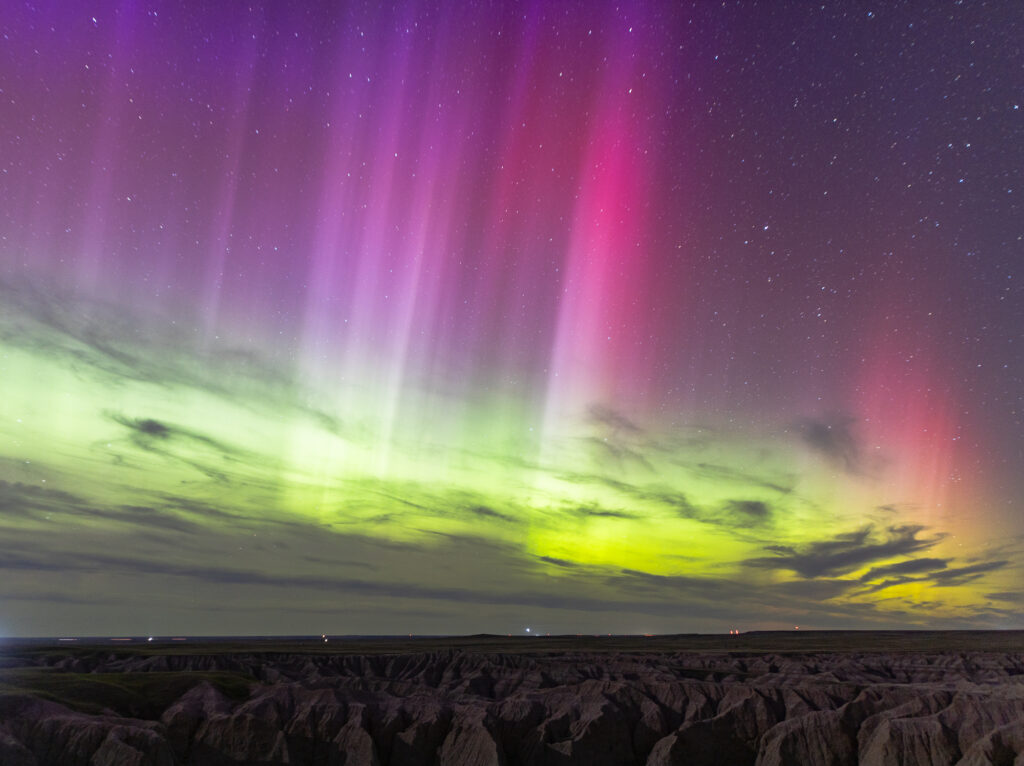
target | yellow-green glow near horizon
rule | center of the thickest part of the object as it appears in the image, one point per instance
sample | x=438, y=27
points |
x=222, y=449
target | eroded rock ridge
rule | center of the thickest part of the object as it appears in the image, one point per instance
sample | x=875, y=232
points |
x=453, y=708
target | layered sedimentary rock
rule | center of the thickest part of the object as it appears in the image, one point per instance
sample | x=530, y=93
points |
x=457, y=707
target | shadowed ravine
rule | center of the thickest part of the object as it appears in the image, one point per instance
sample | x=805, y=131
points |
x=540, y=705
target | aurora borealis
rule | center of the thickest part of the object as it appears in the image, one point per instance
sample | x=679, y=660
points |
x=463, y=317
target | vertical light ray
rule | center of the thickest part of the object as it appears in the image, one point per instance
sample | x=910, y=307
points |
x=430, y=218
x=593, y=357
x=101, y=203
x=909, y=427
x=222, y=227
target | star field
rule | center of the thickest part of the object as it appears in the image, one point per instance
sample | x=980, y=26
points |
x=430, y=318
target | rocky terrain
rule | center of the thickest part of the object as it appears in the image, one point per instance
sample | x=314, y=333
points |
x=472, y=706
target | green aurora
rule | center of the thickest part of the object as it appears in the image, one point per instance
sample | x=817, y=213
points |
x=192, y=486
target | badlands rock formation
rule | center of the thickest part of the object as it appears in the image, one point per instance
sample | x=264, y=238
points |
x=454, y=707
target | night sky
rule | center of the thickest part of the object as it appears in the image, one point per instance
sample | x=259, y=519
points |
x=462, y=317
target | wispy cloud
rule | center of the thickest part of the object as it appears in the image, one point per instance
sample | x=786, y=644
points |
x=846, y=552
x=911, y=566
x=962, y=575
x=749, y=511
x=112, y=343
x=836, y=439
x=934, y=572
x=735, y=476
x=1011, y=596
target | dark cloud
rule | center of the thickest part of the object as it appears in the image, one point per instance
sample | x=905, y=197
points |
x=619, y=442
x=1011, y=596
x=56, y=597
x=674, y=580
x=424, y=499
x=726, y=473
x=834, y=438
x=962, y=575
x=936, y=573
x=110, y=341
x=331, y=562
x=153, y=428
x=1001, y=617
x=912, y=566
x=846, y=552
x=147, y=431
x=26, y=500
x=207, y=513
x=673, y=500
x=17, y=498
x=615, y=421
x=557, y=562
x=56, y=323
x=487, y=512
x=887, y=583
x=815, y=590
x=737, y=515
x=436, y=569
x=404, y=500
x=737, y=600
x=218, y=460
x=610, y=451
x=96, y=334
x=601, y=513
x=111, y=564
x=146, y=517
x=750, y=511
x=447, y=569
